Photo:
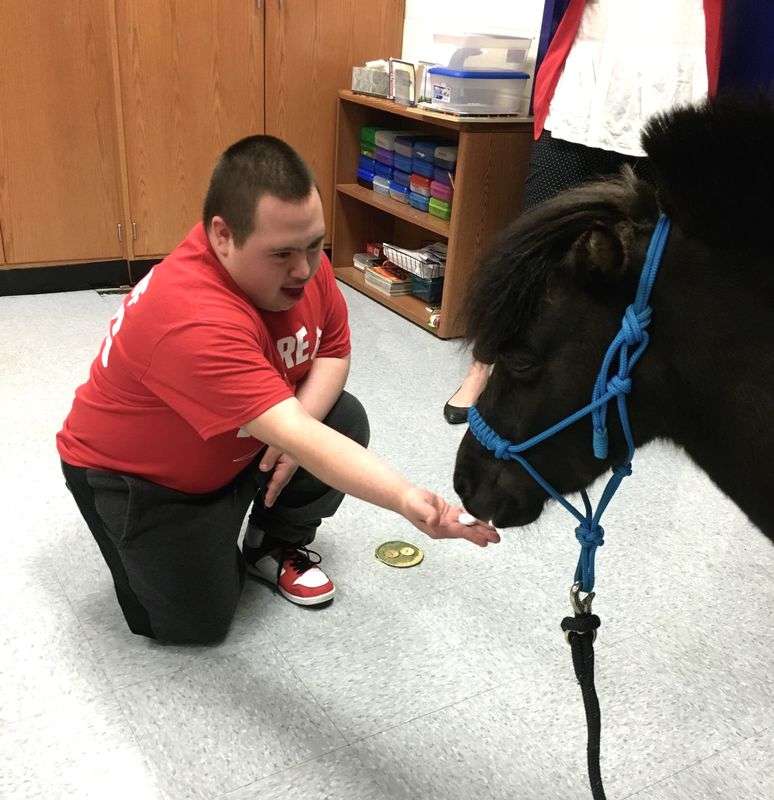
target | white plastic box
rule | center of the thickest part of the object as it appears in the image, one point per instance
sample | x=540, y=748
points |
x=477, y=92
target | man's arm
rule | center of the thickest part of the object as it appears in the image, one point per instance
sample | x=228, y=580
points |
x=350, y=468
x=317, y=394
x=323, y=385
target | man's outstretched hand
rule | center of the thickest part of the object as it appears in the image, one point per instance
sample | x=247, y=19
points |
x=434, y=516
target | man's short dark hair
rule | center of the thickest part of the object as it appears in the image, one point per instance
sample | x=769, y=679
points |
x=248, y=170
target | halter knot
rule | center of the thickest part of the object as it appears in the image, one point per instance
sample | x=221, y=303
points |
x=624, y=470
x=619, y=385
x=590, y=535
x=634, y=324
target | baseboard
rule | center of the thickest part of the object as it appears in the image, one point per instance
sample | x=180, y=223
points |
x=73, y=277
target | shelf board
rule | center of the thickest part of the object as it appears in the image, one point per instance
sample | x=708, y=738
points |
x=408, y=306
x=419, y=218
x=433, y=117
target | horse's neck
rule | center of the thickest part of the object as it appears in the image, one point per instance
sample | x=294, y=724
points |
x=718, y=345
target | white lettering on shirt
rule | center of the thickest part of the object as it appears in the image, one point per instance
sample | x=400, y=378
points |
x=317, y=343
x=286, y=346
x=115, y=323
x=301, y=347
x=294, y=350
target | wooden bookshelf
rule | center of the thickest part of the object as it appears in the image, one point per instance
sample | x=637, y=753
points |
x=492, y=164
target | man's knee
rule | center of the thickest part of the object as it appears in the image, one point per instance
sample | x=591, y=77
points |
x=349, y=418
x=199, y=631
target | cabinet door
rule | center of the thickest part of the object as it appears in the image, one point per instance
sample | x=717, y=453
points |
x=60, y=197
x=311, y=47
x=191, y=84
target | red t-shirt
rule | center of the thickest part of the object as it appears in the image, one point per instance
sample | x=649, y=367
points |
x=187, y=361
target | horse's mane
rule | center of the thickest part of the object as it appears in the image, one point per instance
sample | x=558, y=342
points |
x=506, y=289
x=714, y=170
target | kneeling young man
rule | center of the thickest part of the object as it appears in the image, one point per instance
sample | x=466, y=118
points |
x=220, y=385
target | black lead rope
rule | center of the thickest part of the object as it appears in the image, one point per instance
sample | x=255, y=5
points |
x=581, y=631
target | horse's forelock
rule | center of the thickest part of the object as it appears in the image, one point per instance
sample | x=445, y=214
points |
x=507, y=288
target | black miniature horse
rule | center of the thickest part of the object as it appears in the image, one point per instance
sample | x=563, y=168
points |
x=550, y=297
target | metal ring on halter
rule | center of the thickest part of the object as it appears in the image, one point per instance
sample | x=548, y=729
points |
x=580, y=606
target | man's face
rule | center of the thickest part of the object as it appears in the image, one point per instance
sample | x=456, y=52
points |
x=280, y=256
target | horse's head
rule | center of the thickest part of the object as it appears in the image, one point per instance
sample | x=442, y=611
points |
x=550, y=297
x=546, y=304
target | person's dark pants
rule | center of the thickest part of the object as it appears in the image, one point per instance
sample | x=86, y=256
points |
x=176, y=566
x=556, y=165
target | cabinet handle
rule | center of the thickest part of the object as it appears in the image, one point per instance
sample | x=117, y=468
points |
x=134, y=231
x=120, y=229
x=259, y=4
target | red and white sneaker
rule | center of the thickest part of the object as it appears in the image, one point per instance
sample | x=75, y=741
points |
x=294, y=571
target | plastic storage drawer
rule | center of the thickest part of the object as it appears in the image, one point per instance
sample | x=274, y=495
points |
x=419, y=201
x=381, y=185
x=383, y=170
x=365, y=178
x=404, y=146
x=446, y=157
x=384, y=156
x=398, y=192
x=420, y=185
x=366, y=163
x=424, y=168
x=429, y=289
x=437, y=208
x=441, y=191
x=403, y=178
x=403, y=163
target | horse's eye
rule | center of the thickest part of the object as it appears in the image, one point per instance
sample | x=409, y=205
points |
x=520, y=364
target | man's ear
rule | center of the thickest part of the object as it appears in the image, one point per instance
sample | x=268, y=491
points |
x=602, y=252
x=220, y=236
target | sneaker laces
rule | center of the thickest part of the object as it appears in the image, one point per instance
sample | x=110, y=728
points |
x=300, y=558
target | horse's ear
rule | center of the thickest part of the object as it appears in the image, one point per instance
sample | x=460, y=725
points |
x=601, y=252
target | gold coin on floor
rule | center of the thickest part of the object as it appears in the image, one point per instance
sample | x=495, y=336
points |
x=399, y=554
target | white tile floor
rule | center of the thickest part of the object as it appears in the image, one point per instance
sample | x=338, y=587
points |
x=447, y=681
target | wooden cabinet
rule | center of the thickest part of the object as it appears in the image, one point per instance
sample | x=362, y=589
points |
x=311, y=48
x=191, y=84
x=113, y=112
x=493, y=157
x=60, y=197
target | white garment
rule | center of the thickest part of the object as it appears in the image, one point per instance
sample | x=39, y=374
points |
x=630, y=60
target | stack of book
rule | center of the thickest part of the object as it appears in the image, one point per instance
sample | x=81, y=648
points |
x=388, y=279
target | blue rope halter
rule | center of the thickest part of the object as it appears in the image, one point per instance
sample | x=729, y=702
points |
x=633, y=334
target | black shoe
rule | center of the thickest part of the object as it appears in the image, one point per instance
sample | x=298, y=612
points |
x=455, y=415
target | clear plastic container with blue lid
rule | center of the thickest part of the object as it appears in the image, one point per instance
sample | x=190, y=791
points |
x=419, y=201
x=424, y=168
x=478, y=92
x=403, y=178
x=383, y=170
x=381, y=185
x=398, y=192
x=403, y=163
